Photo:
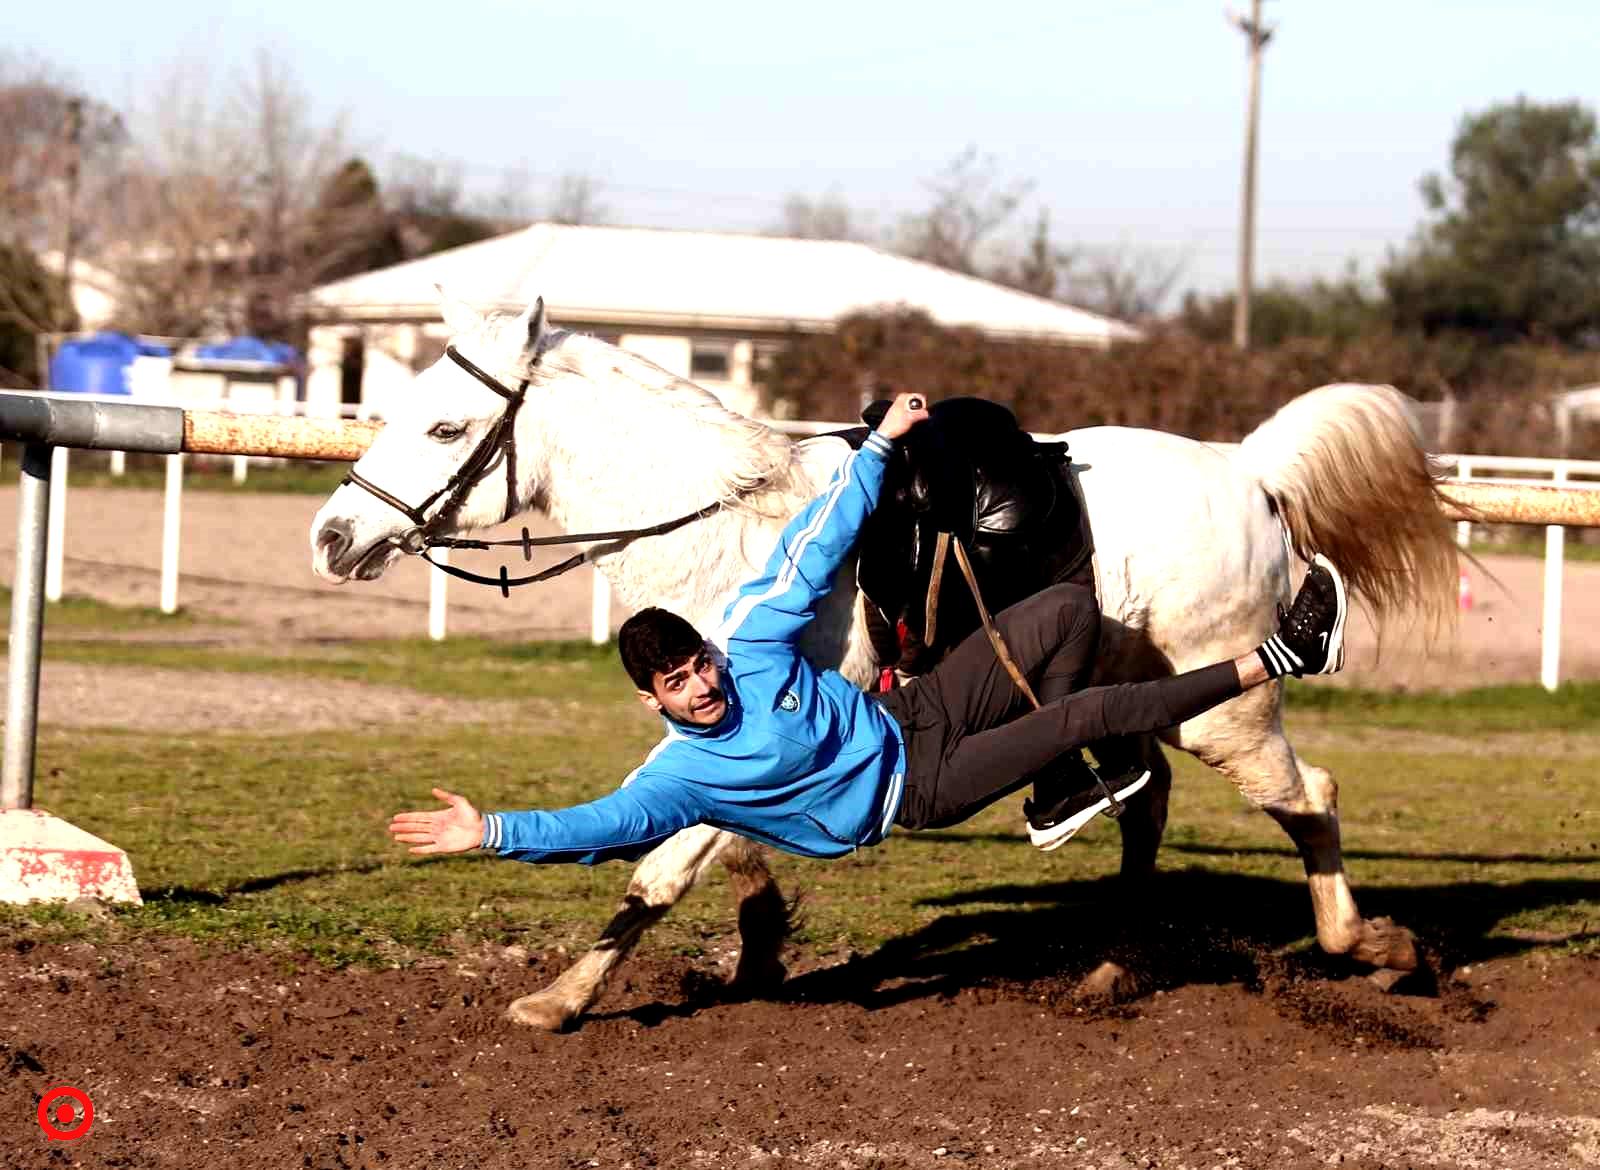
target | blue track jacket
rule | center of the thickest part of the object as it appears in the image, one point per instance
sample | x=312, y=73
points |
x=802, y=760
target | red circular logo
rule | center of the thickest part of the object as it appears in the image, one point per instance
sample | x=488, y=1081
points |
x=54, y=1122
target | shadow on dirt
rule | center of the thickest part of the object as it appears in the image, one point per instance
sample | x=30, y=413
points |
x=1182, y=929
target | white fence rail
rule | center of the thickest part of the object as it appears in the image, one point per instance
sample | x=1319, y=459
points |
x=1544, y=472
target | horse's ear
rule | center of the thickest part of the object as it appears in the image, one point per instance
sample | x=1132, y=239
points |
x=458, y=315
x=538, y=328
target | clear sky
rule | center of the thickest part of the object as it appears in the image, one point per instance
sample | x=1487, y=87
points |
x=1127, y=117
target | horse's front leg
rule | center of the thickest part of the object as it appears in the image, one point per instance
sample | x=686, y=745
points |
x=1244, y=740
x=1144, y=819
x=764, y=918
x=666, y=874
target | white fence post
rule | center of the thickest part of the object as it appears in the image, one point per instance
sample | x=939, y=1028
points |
x=171, y=533
x=119, y=463
x=600, y=610
x=437, y=583
x=241, y=468
x=1555, y=540
x=56, y=539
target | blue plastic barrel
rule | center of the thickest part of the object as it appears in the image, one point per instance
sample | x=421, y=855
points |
x=94, y=365
x=247, y=349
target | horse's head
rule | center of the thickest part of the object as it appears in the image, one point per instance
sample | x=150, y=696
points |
x=448, y=458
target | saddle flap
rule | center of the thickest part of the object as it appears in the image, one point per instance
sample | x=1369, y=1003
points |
x=971, y=471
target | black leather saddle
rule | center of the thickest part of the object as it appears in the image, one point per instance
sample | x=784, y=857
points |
x=970, y=471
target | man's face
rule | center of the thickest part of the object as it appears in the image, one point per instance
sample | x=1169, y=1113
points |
x=691, y=692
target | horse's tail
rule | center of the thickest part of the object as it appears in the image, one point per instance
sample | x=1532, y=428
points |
x=1350, y=478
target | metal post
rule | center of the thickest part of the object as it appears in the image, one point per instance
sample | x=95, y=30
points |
x=437, y=583
x=1464, y=527
x=27, y=628
x=171, y=533
x=600, y=610
x=57, y=541
x=1550, y=635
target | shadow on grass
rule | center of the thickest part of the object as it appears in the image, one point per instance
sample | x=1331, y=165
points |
x=195, y=896
x=1200, y=849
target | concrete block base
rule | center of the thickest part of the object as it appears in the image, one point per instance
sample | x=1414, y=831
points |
x=45, y=859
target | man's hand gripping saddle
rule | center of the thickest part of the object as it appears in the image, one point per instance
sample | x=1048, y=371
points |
x=970, y=472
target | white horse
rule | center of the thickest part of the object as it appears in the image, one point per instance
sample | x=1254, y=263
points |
x=1196, y=547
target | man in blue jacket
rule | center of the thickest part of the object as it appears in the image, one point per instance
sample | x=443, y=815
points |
x=760, y=742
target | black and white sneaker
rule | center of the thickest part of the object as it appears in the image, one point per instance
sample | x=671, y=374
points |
x=1051, y=827
x=1310, y=637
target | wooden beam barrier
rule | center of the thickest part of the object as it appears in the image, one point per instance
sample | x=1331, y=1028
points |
x=212, y=432
x=1487, y=502
x=216, y=433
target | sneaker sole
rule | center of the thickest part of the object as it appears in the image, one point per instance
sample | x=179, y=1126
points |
x=1335, y=657
x=1058, y=835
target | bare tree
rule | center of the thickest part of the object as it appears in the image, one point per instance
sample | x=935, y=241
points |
x=969, y=205
x=427, y=197
x=1039, y=265
x=826, y=217
x=576, y=200
x=512, y=205
x=48, y=127
x=1122, y=281
x=217, y=217
x=58, y=148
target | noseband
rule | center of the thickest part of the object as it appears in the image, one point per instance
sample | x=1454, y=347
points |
x=499, y=439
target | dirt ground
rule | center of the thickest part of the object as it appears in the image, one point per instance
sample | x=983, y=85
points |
x=202, y=1059
x=1231, y=1054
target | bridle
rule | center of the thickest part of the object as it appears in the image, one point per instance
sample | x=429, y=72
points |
x=499, y=440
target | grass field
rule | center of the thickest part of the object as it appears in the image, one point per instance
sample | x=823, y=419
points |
x=1479, y=810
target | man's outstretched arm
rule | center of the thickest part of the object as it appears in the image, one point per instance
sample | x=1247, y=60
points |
x=621, y=826
x=778, y=604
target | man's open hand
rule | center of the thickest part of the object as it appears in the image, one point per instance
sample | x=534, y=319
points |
x=905, y=412
x=449, y=830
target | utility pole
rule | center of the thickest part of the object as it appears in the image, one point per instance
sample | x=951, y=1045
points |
x=1258, y=35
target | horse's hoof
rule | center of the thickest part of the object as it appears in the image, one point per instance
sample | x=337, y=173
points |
x=541, y=1010
x=757, y=978
x=1109, y=982
x=1386, y=946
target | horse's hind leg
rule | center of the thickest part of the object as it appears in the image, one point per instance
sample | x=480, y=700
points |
x=1244, y=740
x=666, y=874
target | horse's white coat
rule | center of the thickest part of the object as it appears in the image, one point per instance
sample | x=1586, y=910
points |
x=1191, y=558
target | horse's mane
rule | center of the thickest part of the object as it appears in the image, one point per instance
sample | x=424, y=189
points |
x=757, y=470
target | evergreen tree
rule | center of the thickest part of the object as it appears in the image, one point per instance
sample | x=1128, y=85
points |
x=1514, y=248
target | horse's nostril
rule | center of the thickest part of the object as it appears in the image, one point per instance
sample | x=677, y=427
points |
x=335, y=538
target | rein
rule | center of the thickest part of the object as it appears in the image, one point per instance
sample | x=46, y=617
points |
x=499, y=439
x=504, y=582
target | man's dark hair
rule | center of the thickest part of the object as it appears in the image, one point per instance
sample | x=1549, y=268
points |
x=656, y=640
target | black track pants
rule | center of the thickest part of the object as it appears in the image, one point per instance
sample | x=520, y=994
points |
x=973, y=737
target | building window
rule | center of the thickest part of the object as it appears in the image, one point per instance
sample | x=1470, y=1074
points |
x=711, y=359
x=352, y=364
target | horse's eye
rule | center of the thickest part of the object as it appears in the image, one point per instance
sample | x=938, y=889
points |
x=446, y=432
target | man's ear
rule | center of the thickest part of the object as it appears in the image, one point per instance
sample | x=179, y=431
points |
x=649, y=700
